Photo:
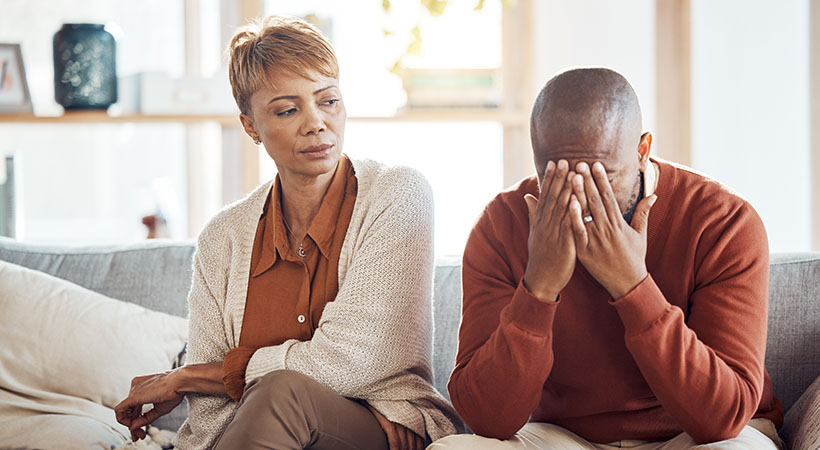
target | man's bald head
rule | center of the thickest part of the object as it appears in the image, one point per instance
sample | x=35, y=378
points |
x=585, y=114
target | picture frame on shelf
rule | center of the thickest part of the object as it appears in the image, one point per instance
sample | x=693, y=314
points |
x=14, y=93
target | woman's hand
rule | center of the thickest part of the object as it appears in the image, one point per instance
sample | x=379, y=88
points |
x=398, y=437
x=159, y=389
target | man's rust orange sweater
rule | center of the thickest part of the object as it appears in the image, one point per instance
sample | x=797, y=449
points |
x=683, y=351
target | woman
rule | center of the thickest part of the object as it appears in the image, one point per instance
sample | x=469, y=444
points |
x=310, y=305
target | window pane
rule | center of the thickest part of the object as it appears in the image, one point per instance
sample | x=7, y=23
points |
x=462, y=161
x=366, y=55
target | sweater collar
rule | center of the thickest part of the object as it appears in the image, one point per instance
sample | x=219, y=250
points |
x=656, y=228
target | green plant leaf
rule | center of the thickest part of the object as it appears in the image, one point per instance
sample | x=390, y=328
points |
x=397, y=68
x=435, y=7
x=415, y=45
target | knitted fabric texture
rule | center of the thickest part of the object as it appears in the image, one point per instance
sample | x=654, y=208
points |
x=373, y=341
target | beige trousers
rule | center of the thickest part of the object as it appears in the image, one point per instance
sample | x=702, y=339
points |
x=760, y=434
x=288, y=410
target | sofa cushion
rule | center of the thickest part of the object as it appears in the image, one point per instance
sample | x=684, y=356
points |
x=155, y=274
x=447, y=318
x=793, y=346
x=68, y=350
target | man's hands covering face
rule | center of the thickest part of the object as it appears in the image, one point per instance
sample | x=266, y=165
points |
x=611, y=250
x=551, y=246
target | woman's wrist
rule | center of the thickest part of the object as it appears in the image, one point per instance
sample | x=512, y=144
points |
x=203, y=378
x=180, y=379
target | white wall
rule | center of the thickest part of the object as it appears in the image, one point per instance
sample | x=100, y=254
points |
x=619, y=35
x=750, y=90
x=750, y=108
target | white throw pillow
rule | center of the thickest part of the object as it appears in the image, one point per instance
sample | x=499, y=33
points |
x=59, y=338
x=58, y=431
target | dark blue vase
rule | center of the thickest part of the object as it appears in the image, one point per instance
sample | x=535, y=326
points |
x=85, y=73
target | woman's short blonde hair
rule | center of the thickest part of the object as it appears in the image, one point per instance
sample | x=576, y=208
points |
x=276, y=43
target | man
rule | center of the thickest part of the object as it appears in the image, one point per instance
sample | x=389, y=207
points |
x=589, y=321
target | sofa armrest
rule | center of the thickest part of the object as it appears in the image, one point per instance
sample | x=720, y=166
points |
x=801, y=429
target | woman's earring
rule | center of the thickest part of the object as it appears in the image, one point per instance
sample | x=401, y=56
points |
x=257, y=141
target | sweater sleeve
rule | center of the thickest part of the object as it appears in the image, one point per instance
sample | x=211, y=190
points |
x=378, y=329
x=707, y=367
x=233, y=370
x=206, y=343
x=505, y=340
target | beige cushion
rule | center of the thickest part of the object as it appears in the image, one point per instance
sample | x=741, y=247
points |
x=68, y=350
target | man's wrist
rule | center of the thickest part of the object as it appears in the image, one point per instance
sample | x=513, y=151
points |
x=626, y=285
x=542, y=295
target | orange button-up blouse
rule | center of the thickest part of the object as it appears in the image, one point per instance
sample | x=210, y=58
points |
x=286, y=293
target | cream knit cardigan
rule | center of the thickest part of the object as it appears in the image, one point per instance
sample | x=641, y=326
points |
x=373, y=341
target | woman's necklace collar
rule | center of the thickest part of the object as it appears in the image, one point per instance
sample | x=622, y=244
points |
x=301, y=250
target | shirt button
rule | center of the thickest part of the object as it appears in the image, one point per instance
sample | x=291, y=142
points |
x=301, y=318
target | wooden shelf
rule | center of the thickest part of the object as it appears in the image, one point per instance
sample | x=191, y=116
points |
x=101, y=117
x=505, y=117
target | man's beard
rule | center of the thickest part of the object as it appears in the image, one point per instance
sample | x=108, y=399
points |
x=633, y=201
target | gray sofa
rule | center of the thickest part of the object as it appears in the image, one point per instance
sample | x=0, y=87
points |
x=157, y=274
